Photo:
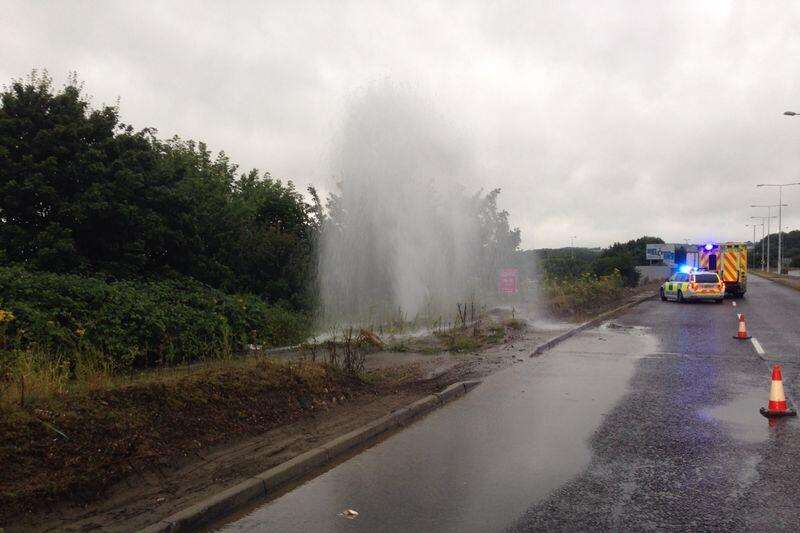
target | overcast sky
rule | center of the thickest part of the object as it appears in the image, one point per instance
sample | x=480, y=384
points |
x=599, y=120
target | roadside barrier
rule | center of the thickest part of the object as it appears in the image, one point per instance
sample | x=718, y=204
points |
x=777, y=406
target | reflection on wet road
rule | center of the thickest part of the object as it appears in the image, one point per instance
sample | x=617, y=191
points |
x=649, y=422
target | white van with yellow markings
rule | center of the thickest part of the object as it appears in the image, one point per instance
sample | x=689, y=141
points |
x=693, y=286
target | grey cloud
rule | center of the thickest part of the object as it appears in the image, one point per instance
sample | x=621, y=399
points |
x=602, y=120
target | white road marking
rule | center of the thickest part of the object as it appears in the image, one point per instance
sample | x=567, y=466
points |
x=757, y=346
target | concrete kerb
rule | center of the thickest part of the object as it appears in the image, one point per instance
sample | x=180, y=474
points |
x=588, y=324
x=262, y=485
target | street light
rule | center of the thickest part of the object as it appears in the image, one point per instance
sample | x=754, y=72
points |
x=780, y=187
x=763, y=219
x=790, y=113
x=769, y=230
x=754, y=241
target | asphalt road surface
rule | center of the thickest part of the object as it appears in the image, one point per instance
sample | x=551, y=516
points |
x=649, y=422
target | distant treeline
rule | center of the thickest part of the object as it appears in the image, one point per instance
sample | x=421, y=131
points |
x=791, y=249
x=571, y=263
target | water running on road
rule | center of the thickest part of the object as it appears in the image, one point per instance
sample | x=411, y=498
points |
x=477, y=464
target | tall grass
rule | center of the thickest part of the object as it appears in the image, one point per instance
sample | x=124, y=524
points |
x=582, y=295
x=34, y=375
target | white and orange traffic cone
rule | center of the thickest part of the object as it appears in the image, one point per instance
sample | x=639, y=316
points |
x=777, y=406
x=742, y=334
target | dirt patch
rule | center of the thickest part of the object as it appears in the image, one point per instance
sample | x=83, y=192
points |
x=156, y=446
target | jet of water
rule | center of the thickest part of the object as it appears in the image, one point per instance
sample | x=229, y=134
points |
x=402, y=238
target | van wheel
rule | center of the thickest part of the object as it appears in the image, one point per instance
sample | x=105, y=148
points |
x=661, y=293
x=680, y=297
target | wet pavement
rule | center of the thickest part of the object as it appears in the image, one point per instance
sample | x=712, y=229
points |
x=646, y=423
x=687, y=449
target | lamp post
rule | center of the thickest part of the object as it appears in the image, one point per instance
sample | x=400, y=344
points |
x=754, y=242
x=769, y=230
x=780, y=187
x=763, y=222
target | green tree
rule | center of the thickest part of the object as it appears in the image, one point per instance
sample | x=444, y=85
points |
x=82, y=193
x=634, y=248
x=54, y=156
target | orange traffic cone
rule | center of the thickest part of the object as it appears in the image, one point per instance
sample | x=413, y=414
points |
x=742, y=334
x=777, y=406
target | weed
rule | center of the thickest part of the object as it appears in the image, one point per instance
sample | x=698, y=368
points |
x=33, y=375
x=515, y=324
x=463, y=343
x=401, y=347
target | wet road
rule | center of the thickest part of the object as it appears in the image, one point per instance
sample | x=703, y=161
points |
x=649, y=423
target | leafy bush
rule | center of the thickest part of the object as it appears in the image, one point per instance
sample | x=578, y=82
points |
x=134, y=324
x=623, y=264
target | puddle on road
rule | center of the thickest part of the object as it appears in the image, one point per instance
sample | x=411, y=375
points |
x=615, y=326
x=741, y=416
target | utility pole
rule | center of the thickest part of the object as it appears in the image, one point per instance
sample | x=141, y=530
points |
x=769, y=230
x=763, y=222
x=780, y=187
x=572, y=247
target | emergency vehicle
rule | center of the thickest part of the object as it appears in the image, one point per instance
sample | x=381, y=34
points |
x=693, y=285
x=729, y=260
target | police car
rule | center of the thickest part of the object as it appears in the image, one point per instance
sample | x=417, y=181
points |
x=693, y=285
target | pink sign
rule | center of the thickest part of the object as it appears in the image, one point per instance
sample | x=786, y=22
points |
x=507, y=281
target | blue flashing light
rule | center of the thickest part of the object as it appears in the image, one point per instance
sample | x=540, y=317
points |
x=709, y=247
x=684, y=269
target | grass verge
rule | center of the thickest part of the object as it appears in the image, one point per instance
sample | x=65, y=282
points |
x=74, y=444
x=789, y=281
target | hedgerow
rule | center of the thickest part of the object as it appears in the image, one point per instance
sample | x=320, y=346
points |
x=134, y=324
